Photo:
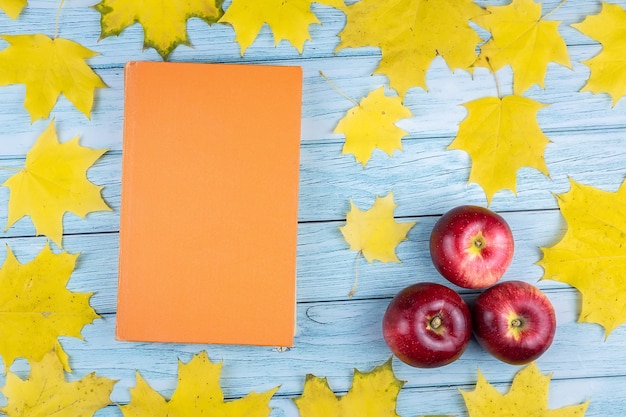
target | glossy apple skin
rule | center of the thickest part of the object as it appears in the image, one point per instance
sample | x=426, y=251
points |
x=471, y=246
x=427, y=325
x=514, y=321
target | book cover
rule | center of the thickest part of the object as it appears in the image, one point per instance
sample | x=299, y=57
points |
x=208, y=219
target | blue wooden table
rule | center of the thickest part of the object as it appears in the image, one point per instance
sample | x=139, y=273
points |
x=336, y=333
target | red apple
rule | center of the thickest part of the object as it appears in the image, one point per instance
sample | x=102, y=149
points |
x=427, y=325
x=514, y=321
x=471, y=246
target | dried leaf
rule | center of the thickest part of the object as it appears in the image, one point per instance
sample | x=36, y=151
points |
x=591, y=256
x=288, y=19
x=13, y=8
x=608, y=68
x=528, y=396
x=164, y=22
x=372, y=124
x=411, y=33
x=198, y=394
x=36, y=307
x=46, y=393
x=53, y=182
x=373, y=394
x=522, y=39
x=501, y=136
x=49, y=67
x=374, y=232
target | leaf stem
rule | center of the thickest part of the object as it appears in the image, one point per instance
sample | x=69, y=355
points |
x=495, y=77
x=56, y=22
x=356, y=274
x=344, y=95
x=553, y=10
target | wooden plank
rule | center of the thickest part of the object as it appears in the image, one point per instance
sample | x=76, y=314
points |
x=80, y=22
x=332, y=339
x=326, y=268
x=425, y=179
x=436, y=113
x=604, y=395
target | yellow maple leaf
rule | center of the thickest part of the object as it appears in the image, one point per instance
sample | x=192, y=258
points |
x=288, y=19
x=410, y=34
x=372, y=124
x=13, y=8
x=36, y=307
x=164, y=22
x=46, y=393
x=53, y=182
x=501, y=136
x=528, y=396
x=198, y=394
x=523, y=39
x=608, y=68
x=591, y=256
x=374, y=232
x=373, y=394
x=49, y=67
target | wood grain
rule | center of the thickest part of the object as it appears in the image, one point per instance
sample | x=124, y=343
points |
x=337, y=333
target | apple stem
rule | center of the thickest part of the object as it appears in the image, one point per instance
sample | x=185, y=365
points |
x=516, y=323
x=435, y=322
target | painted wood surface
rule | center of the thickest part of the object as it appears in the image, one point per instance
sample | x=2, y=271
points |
x=336, y=333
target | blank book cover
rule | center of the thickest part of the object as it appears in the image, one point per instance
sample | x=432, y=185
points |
x=208, y=220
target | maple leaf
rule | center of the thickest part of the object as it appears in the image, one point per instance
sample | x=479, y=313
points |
x=501, y=136
x=13, y=8
x=288, y=19
x=53, y=182
x=591, y=256
x=36, y=307
x=410, y=34
x=46, y=393
x=523, y=39
x=164, y=22
x=198, y=393
x=608, y=68
x=372, y=124
x=374, y=232
x=49, y=67
x=373, y=394
x=528, y=396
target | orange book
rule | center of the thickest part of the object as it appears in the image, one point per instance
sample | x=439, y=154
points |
x=208, y=221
